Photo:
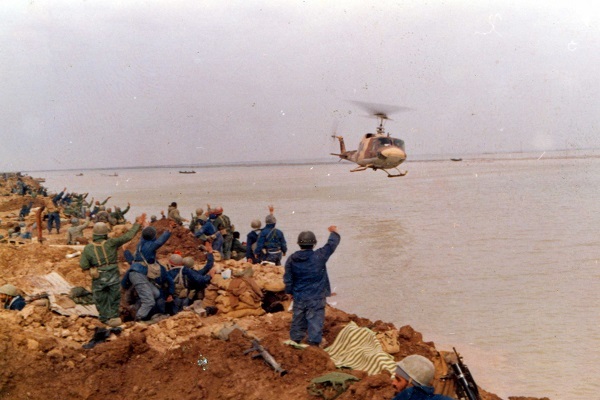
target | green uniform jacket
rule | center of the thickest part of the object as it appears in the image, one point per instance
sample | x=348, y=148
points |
x=88, y=257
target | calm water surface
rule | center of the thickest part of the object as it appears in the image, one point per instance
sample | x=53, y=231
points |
x=496, y=257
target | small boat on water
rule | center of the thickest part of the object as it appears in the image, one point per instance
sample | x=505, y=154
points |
x=115, y=174
x=187, y=172
x=80, y=174
x=456, y=159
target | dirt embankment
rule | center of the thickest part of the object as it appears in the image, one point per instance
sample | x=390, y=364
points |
x=41, y=354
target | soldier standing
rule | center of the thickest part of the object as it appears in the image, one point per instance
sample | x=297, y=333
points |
x=100, y=259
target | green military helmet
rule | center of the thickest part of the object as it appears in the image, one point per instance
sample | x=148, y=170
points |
x=9, y=290
x=255, y=224
x=11, y=231
x=417, y=368
x=74, y=221
x=100, y=228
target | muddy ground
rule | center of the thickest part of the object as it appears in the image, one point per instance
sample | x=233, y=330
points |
x=41, y=353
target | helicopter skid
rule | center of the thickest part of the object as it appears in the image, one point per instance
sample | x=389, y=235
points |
x=399, y=174
x=361, y=168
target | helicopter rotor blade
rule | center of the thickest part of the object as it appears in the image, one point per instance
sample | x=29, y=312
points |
x=380, y=110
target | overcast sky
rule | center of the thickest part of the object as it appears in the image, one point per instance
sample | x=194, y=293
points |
x=103, y=83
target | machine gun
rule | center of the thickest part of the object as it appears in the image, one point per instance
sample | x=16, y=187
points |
x=268, y=358
x=466, y=388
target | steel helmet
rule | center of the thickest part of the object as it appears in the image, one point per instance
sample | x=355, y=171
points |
x=149, y=233
x=255, y=224
x=176, y=260
x=188, y=262
x=100, y=228
x=74, y=221
x=9, y=290
x=417, y=368
x=307, y=238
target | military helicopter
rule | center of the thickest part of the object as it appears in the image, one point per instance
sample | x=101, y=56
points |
x=376, y=150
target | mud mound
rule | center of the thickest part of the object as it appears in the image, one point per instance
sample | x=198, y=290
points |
x=15, y=203
x=181, y=240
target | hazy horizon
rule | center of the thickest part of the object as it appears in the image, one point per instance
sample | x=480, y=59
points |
x=112, y=84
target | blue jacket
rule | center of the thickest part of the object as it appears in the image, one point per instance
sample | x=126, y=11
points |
x=305, y=274
x=192, y=279
x=17, y=303
x=250, y=240
x=270, y=241
x=148, y=249
x=165, y=283
x=419, y=393
x=207, y=229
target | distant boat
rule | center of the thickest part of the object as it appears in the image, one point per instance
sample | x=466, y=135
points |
x=456, y=159
x=187, y=172
x=115, y=174
x=80, y=174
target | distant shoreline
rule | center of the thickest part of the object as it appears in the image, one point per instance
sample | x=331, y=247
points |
x=509, y=156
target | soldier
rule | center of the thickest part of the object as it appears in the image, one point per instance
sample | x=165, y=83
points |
x=173, y=213
x=10, y=298
x=271, y=244
x=75, y=232
x=306, y=279
x=54, y=217
x=148, y=276
x=413, y=378
x=100, y=259
x=223, y=225
x=197, y=220
x=251, y=239
x=119, y=215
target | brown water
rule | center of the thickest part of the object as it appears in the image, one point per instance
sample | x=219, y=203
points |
x=497, y=257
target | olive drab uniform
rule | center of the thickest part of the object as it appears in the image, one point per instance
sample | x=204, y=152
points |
x=100, y=258
x=223, y=225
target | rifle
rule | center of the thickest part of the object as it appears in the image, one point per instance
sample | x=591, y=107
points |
x=466, y=387
x=268, y=358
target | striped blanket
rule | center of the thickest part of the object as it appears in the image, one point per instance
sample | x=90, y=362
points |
x=358, y=348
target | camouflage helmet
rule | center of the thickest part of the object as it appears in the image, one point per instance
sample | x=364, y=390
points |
x=9, y=290
x=188, y=262
x=149, y=233
x=307, y=238
x=100, y=228
x=255, y=224
x=417, y=368
x=270, y=219
x=74, y=221
x=22, y=224
x=175, y=260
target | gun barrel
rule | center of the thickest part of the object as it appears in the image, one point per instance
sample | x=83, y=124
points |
x=267, y=357
x=462, y=380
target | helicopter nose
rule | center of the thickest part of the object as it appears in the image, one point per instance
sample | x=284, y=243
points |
x=393, y=154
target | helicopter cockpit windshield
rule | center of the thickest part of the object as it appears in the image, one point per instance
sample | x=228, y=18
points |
x=388, y=141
